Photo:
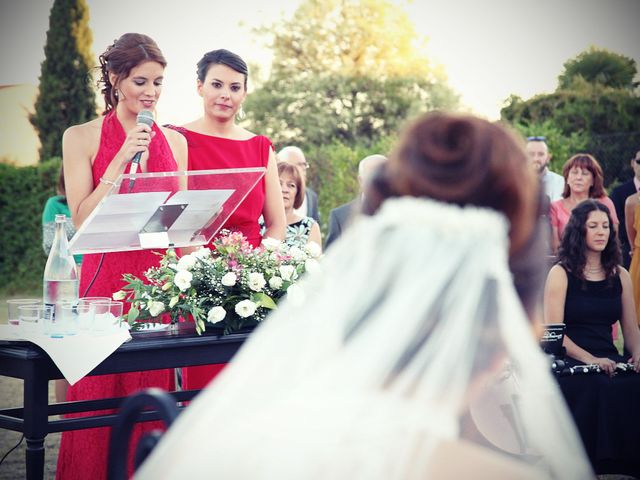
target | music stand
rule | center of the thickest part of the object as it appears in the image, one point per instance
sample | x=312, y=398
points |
x=164, y=209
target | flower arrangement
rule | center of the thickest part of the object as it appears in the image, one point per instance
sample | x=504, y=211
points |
x=232, y=286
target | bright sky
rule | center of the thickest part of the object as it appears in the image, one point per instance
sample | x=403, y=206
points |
x=489, y=48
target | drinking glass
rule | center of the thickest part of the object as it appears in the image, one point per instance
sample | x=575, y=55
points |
x=107, y=315
x=53, y=321
x=70, y=313
x=14, y=303
x=86, y=312
x=31, y=317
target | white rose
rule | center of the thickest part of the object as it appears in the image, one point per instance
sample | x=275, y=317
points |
x=246, y=308
x=156, y=308
x=216, y=314
x=182, y=280
x=229, y=279
x=270, y=243
x=202, y=253
x=275, y=282
x=313, y=249
x=186, y=262
x=119, y=295
x=256, y=281
x=296, y=253
x=311, y=265
x=287, y=271
x=295, y=295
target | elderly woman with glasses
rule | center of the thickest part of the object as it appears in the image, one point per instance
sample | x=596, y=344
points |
x=583, y=180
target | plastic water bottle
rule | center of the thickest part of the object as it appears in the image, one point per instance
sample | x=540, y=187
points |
x=60, y=282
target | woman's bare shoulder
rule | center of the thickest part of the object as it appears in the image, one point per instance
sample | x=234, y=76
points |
x=85, y=131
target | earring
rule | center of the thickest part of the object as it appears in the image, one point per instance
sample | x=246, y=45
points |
x=240, y=114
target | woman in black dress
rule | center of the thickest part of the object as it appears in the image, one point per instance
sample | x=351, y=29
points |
x=588, y=290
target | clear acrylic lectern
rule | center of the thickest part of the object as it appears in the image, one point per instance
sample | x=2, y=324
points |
x=164, y=209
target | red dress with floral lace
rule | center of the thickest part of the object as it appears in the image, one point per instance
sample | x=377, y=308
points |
x=83, y=453
x=207, y=152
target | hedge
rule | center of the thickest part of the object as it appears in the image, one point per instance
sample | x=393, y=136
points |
x=23, y=193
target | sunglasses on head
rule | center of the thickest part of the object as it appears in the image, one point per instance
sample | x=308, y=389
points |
x=537, y=139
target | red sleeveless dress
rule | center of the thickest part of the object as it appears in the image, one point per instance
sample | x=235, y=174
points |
x=83, y=453
x=207, y=152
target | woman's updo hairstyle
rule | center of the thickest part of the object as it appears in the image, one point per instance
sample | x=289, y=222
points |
x=464, y=160
x=222, y=57
x=127, y=52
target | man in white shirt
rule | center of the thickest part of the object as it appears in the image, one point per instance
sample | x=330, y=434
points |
x=295, y=156
x=552, y=183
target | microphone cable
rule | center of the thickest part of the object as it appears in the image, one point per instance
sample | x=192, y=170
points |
x=95, y=275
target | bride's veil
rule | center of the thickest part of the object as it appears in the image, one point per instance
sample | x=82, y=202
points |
x=410, y=337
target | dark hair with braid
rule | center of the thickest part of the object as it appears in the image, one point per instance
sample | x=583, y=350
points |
x=468, y=161
x=222, y=57
x=126, y=53
x=573, y=246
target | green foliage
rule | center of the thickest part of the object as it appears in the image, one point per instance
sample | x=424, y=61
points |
x=333, y=172
x=23, y=193
x=599, y=66
x=602, y=121
x=66, y=96
x=561, y=146
x=339, y=108
x=345, y=71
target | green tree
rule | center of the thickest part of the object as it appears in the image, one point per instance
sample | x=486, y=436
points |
x=347, y=71
x=599, y=66
x=66, y=96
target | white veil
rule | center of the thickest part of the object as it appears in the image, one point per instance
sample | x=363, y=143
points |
x=411, y=338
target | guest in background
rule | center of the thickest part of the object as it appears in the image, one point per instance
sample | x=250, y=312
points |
x=588, y=290
x=584, y=179
x=216, y=141
x=618, y=196
x=300, y=230
x=368, y=372
x=632, y=227
x=57, y=205
x=552, y=183
x=340, y=217
x=94, y=155
x=309, y=206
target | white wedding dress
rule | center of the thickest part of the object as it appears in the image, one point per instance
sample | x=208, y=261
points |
x=408, y=347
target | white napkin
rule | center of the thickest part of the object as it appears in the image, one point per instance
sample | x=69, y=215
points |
x=74, y=355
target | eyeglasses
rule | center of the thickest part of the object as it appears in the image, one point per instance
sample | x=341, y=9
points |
x=537, y=139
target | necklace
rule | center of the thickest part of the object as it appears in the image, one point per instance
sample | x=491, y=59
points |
x=592, y=270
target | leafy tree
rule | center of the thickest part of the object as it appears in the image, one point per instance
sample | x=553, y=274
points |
x=599, y=66
x=66, y=96
x=605, y=118
x=346, y=71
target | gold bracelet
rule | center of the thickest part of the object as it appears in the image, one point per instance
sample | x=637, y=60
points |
x=106, y=182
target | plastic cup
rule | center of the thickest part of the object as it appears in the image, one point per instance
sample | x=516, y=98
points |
x=31, y=318
x=14, y=303
x=69, y=316
x=107, y=315
x=86, y=312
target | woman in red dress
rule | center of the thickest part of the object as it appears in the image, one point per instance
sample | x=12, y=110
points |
x=94, y=155
x=215, y=141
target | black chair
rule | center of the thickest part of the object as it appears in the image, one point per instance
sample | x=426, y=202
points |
x=130, y=412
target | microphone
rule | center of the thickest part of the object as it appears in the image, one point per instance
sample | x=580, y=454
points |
x=144, y=117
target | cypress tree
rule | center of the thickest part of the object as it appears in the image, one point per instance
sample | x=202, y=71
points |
x=66, y=96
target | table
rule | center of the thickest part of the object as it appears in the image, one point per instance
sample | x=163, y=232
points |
x=146, y=351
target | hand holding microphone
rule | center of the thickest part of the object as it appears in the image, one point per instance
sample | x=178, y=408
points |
x=145, y=117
